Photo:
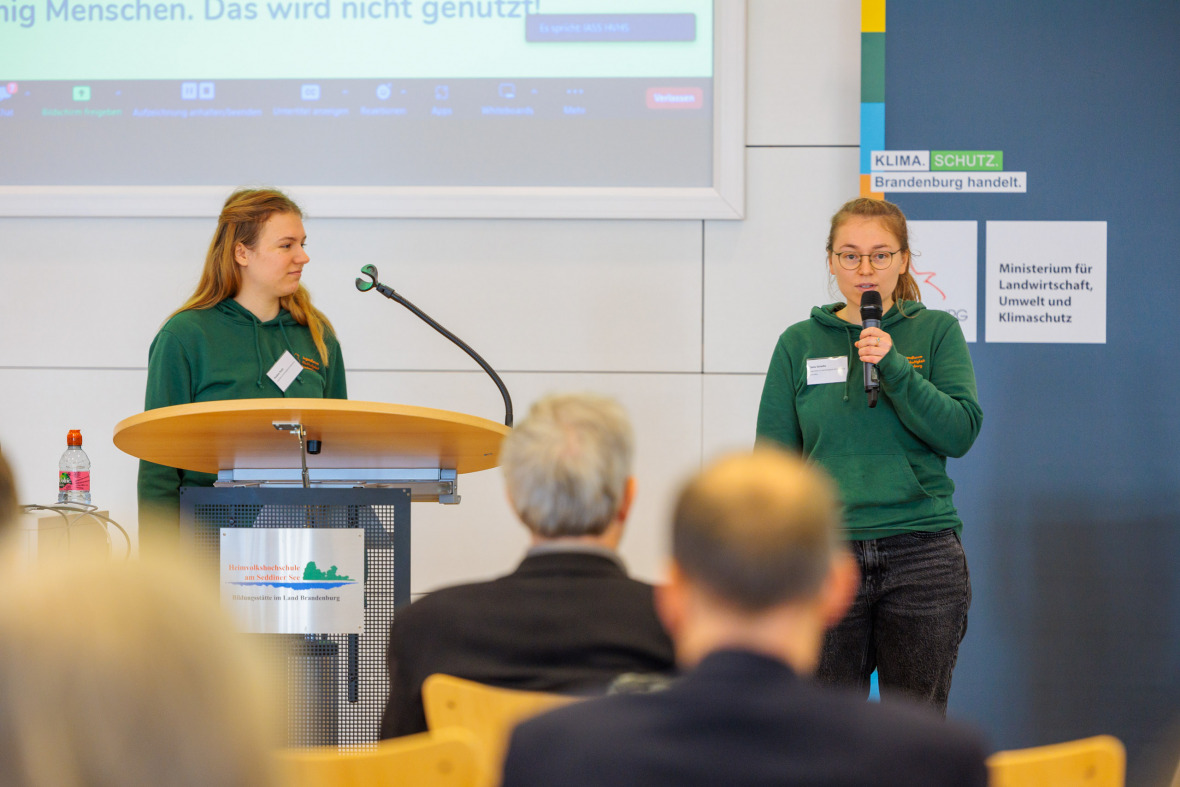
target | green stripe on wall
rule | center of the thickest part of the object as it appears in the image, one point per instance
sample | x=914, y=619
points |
x=872, y=68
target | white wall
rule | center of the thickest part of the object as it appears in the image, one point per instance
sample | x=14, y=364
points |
x=677, y=319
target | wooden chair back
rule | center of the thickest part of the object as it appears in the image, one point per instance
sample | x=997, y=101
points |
x=488, y=712
x=447, y=758
x=1100, y=761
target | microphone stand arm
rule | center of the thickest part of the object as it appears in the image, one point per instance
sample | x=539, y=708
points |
x=389, y=292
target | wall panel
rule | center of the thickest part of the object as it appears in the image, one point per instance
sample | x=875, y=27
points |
x=729, y=412
x=766, y=272
x=527, y=295
x=92, y=292
x=481, y=536
x=803, y=72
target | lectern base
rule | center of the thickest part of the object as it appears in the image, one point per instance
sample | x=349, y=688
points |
x=336, y=685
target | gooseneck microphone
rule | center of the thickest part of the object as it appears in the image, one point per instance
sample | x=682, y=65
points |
x=870, y=317
x=388, y=292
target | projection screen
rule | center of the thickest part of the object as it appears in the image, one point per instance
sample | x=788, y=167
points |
x=423, y=108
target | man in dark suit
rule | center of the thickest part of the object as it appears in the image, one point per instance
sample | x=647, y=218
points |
x=758, y=574
x=569, y=619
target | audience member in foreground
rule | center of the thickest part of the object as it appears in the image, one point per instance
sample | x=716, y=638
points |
x=126, y=674
x=569, y=619
x=758, y=574
x=8, y=506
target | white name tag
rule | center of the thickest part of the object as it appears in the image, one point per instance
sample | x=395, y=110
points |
x=285, y=370
x=827, y=370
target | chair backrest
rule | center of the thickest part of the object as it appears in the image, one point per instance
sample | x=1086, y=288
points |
x=1100, y=761
x=488, y=712
x=447, y=758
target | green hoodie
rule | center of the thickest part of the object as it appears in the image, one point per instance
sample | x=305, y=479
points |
x=889, y=462
x=223, y=352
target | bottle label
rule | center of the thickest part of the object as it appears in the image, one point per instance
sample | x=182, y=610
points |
x=74, y=482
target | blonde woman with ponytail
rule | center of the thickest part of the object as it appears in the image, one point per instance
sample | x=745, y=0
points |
x=249, y=316
x=888, y=460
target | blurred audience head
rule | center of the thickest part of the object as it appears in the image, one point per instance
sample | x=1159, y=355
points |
x=127, y=674
x=8, y=506
x=757, y=560
x=757, y=529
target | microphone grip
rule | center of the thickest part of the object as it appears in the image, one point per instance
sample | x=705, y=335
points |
x=872, y=380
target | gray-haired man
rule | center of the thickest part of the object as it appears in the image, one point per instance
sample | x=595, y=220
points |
x=568, y=619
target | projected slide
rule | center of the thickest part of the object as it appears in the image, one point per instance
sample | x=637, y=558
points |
x=503, y=93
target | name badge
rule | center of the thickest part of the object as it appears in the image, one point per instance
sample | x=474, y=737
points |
x=827, y=370
x=285, y=370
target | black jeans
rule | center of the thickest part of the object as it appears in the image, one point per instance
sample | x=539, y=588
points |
x=908, y=619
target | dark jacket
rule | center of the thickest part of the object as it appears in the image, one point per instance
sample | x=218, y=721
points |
x=745, y=720
x=566, y=622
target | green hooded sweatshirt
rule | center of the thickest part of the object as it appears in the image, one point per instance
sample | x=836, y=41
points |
x=889, y=462
x=223, y=352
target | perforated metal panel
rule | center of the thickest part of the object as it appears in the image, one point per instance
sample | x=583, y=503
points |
x=335, y=685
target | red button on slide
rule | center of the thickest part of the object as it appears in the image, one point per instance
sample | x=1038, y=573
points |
x=675, y=98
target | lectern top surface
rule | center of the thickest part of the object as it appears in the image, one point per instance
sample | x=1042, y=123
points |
x=240, y=433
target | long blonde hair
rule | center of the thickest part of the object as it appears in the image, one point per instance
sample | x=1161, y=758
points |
x=894, y=221
x=241, y=221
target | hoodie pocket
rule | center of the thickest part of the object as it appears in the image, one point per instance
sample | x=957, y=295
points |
x=873, y=479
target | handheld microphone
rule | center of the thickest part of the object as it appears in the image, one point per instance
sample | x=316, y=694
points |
x=870, y=317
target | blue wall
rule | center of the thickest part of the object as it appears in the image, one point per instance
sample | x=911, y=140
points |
x=1071, y=495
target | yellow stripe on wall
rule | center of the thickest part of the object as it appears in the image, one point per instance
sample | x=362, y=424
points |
x=872, y=16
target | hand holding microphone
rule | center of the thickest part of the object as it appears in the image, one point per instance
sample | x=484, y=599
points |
x=873, y=344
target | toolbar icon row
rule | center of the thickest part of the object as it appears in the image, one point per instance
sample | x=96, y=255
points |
x=193, y=91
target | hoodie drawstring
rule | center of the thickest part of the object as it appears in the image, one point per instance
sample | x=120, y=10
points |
x=851, y=365
x=257, y=350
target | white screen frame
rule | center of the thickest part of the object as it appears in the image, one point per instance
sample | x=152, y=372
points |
x=725, y=199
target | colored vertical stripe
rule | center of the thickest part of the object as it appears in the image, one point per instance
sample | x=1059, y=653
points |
x=872, y=89
x=872, y=133
x=872, y=67
x=866, y=188
x=872, y=16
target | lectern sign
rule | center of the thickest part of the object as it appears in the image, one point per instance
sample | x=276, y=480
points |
x=294, y=580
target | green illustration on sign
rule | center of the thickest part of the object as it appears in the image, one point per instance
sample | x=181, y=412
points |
x=313, y=574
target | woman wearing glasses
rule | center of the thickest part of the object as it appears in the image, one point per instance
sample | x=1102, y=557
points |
x=888, y=460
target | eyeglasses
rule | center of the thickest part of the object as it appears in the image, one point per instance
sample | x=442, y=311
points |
x=850, y=260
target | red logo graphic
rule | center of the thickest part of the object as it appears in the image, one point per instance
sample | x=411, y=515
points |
x=928, y=280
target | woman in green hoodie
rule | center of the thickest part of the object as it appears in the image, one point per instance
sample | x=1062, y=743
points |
x=889, y=461
x=249, y=319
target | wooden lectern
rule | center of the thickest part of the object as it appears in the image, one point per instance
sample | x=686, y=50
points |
x=296, y=463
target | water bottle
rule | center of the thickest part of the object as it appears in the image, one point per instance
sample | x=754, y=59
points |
x=73, y=478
